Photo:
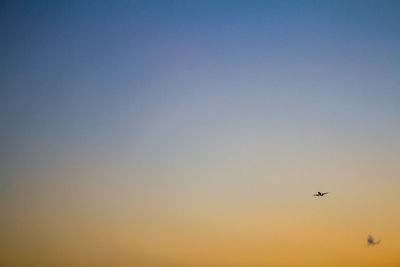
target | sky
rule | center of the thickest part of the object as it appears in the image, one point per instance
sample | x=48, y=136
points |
x=195, y=133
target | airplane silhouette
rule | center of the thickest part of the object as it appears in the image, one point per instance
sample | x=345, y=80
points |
x=371, y=241
x=319, y=194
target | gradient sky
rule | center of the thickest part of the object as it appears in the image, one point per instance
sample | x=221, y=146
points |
x=194, y=133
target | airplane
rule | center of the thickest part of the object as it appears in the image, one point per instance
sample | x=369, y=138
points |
x=319, y=194
x=371, y=241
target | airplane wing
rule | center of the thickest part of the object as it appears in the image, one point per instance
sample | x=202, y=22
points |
x=325, y=193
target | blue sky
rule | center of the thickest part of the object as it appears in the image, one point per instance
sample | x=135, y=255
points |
x=196, y=101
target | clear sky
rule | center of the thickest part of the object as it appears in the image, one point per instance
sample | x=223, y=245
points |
x=194, y=133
